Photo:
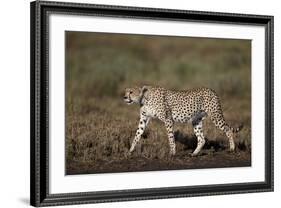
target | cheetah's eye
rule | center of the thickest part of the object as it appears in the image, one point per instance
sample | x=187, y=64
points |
x=131, y=92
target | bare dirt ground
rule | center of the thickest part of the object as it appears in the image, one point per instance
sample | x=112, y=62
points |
x=207, y=159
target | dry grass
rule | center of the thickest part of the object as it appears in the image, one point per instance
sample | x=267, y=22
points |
x=101, y=135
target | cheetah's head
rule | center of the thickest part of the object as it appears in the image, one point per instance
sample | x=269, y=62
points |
x=134, y=95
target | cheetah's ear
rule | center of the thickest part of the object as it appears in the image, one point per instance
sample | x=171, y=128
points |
x=143, y=90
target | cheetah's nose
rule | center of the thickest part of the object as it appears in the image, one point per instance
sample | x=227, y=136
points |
x=125, y=97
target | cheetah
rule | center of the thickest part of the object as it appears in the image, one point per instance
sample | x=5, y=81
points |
x=190, y=106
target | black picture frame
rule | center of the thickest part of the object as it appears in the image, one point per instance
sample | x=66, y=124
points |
x=39, y=188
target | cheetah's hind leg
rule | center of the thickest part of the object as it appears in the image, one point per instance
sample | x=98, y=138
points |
x=197, y=122
x=198, y=130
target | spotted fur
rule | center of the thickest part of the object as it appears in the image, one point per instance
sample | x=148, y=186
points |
x=179, y=106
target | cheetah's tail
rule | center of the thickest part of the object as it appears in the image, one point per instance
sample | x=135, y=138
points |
x=236, y=130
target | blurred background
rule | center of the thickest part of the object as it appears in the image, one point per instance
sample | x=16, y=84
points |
x=100, y=127
x=102, y=64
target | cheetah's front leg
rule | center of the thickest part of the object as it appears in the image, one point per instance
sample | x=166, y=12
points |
x=169, y=127
x=142, y=124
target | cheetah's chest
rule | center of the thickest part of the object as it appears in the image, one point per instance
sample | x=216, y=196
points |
x=150, y=112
